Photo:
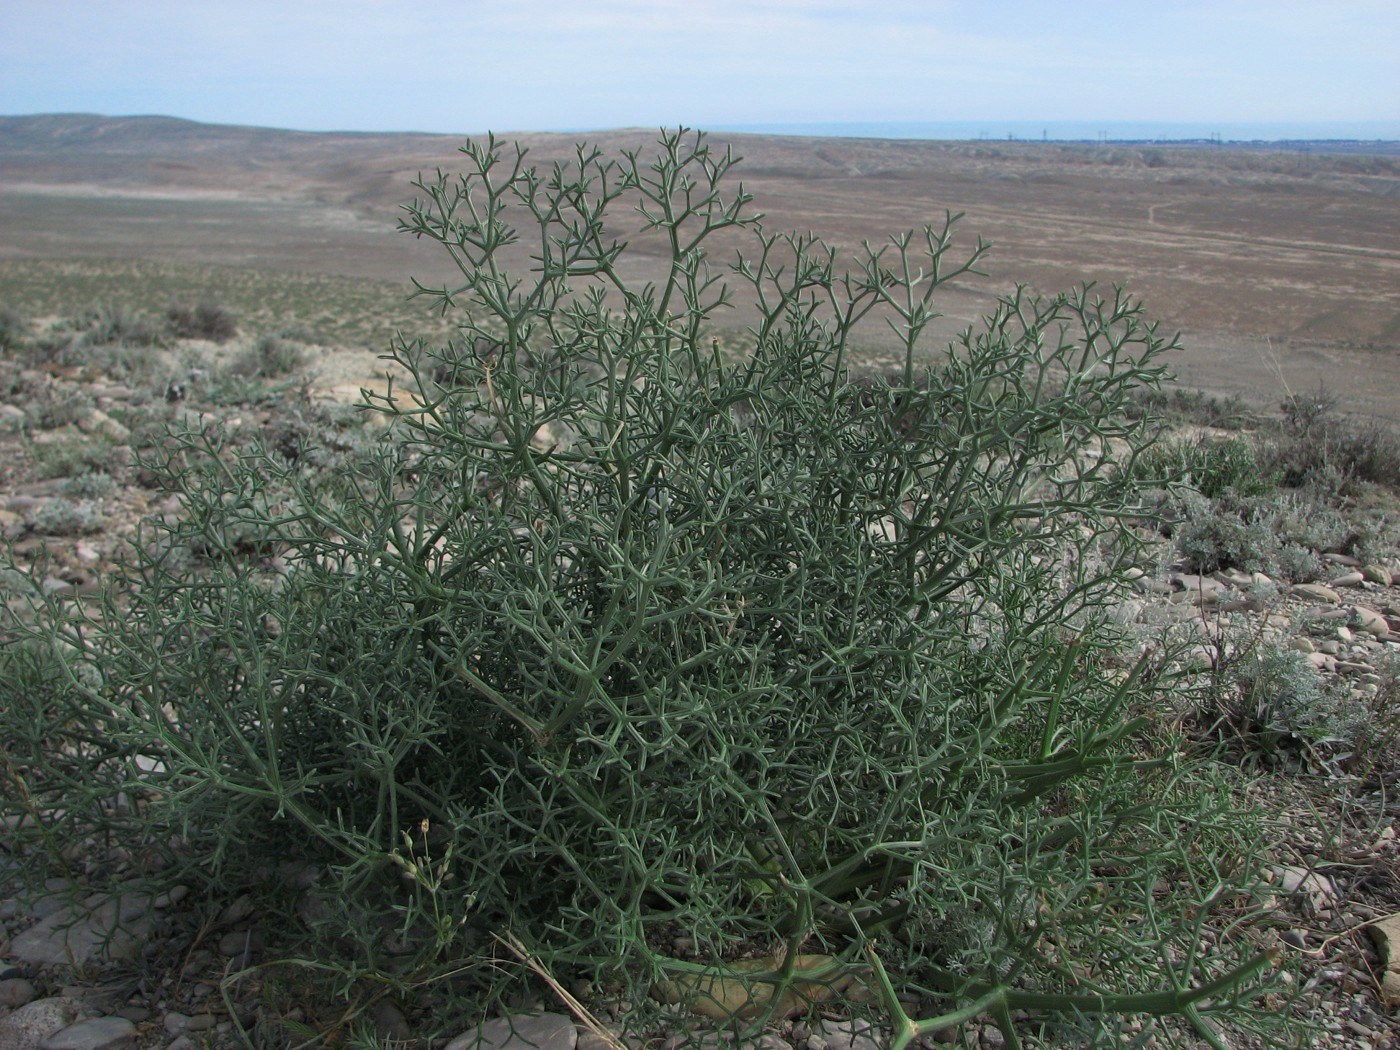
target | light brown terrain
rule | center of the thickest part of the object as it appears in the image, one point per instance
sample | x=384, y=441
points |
x=1280, y=269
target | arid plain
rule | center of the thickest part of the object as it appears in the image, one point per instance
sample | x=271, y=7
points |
x=1280, y=266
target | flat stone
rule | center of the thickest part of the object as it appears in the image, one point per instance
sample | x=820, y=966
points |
x=100, y=1033
x=102, y=928
x=850, y=1034
x=1377, y=574
x=1322, y=661
x=1348, y=579
x=1386, y=934
x=28, y=1027
x=1319, y=890
x=178, y=1024
x=1315, y=591
x=390, y=1023
x=1187, y=581
x=520, y=1032
x=1370, y=621
x=237, y=942
x=593, y=1041
x=767, y=1041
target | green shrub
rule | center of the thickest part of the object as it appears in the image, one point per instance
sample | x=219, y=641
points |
x=1223, y=542
x=113, y=324
x=205, y=319
x=14, y=331
x=66, y=517
x=75, y=456
x=1298, y=564
x=614, y=641
x=1177, y=405
x=1318, y=449
x=1281, y=705
x=1212, y=467
x=272, y=357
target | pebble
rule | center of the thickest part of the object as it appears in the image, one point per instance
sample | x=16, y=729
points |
x=1315, y=591
x=546, y=1031
x=16, y=991
x=110, y=928
x=1322, y=661
x=1370, y=621
x=32, y=1023
x=852, y=1034
x=171, y=897
x=1340, y=559
x=12, y=417
x=99, y=1033
x=1320, y=890
x=1377, y=574
x=178, y=1024
x=240, y=942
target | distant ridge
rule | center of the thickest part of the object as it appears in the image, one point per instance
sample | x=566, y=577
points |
x=159, y=155
x=1347, y=136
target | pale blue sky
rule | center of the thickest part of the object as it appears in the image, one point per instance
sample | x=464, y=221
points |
x=468, y=65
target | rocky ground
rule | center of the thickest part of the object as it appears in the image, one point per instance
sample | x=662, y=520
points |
x=109, y=971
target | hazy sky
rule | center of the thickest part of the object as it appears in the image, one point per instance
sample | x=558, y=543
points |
x=514, y=65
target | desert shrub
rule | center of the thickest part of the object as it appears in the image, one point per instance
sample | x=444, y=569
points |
x=92, y=486
x=1308, y=522
x=272, y=357
x=1222, y=541
x=66, y=517
x=76, y=455
x=1280, y=705
x=1177, y=405
x=1297, y=564
x=1320, y=449
x=205, y=319
x=112, y=324
x=108, y=338
x=52, y=406
x=14, y=331
x=1212, y=467
x=614, y=640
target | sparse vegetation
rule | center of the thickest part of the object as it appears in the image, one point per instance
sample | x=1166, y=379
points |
x=739, y=650
x=747, y=649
